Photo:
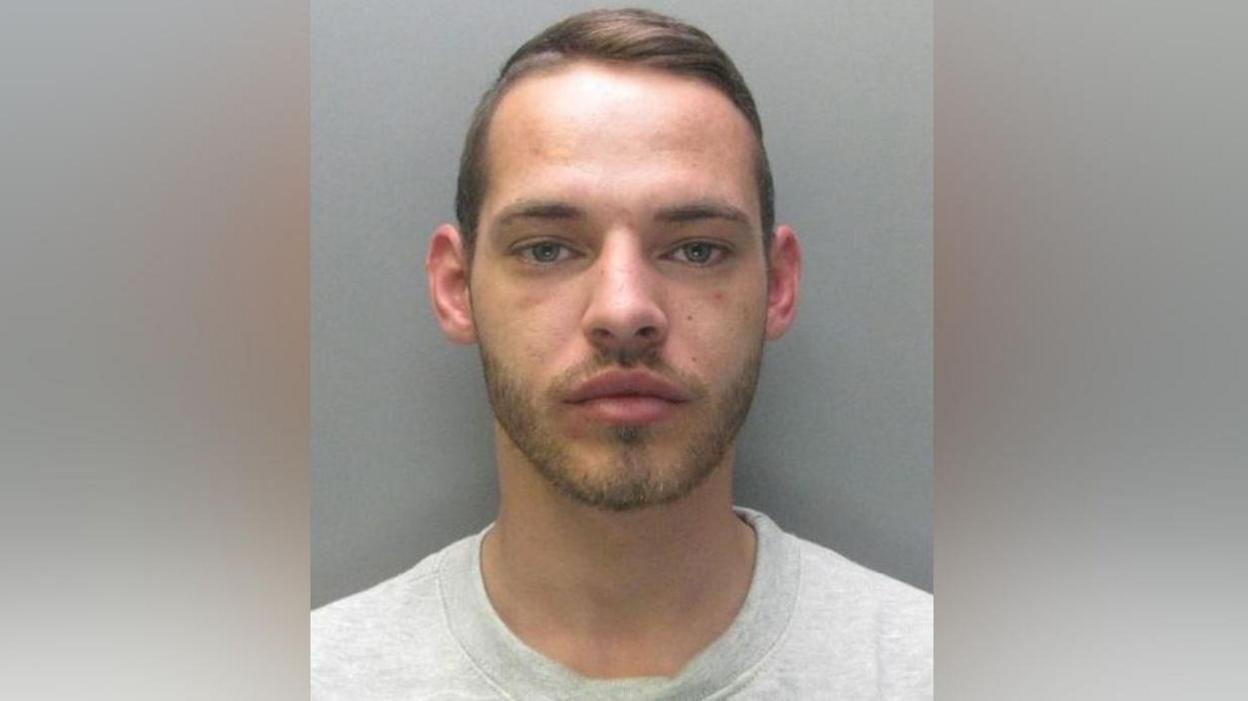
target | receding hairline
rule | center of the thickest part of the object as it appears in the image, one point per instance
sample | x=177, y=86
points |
x=558, y=64
x=552, y=65
x=627, y=36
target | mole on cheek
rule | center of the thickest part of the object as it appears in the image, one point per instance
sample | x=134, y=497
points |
x=718, y=296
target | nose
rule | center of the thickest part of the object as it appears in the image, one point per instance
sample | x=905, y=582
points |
x=625, y=316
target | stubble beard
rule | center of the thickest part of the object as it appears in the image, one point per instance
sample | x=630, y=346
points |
x=633, y=480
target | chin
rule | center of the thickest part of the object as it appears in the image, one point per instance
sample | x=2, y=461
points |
x=628, y=477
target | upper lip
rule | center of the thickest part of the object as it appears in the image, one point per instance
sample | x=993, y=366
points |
x=627, y=383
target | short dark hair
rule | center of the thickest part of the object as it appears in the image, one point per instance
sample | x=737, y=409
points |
x=630, y=36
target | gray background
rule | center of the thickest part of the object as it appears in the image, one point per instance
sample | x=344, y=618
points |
x=838, y=446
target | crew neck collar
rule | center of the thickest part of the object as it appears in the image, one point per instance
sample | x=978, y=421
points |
x=524, y=673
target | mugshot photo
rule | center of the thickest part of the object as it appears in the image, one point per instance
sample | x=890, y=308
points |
x=621, y=350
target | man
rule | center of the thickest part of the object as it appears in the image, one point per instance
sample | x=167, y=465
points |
x=617, y=263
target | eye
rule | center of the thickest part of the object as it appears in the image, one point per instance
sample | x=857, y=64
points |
x=700, y=253
x=544, y=252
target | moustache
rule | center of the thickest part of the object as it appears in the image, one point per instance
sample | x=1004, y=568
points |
x=606, y=361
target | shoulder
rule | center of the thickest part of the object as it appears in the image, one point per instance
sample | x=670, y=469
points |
x=375, y=626
x=829, y=577
x=389, y=640
x=885, y=623
x=369, y=613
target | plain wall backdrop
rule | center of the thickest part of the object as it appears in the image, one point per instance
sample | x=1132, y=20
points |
x=838, y=447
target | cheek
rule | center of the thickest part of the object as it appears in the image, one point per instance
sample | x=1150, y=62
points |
x=731, y=309
x=717, y=327
x=526, y=325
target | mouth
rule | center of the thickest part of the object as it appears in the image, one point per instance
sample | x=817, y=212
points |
x=621, y=397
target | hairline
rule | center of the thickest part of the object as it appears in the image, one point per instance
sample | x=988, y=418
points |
x=552, y=61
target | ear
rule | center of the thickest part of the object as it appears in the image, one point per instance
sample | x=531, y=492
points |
x=446, y=267
x=782, y=281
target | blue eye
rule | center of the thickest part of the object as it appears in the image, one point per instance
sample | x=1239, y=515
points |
x=545, y=252
x=699, y=253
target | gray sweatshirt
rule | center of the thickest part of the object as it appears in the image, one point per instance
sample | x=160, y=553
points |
x=813, y=626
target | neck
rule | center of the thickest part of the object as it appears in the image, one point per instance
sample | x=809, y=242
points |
x=609, y=594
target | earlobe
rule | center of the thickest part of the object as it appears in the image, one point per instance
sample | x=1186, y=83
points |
x=446, y=267
x=783, y=280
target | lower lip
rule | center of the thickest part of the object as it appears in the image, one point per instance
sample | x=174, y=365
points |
x=627, y=409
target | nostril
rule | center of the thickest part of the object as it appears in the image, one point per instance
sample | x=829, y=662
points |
x=648, y=332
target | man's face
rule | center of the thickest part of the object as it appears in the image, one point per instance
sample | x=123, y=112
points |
x=618, y=286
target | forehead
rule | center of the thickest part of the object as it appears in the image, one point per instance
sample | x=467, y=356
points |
x=608, y=132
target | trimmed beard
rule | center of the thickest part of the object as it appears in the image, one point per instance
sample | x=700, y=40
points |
x=632, y=481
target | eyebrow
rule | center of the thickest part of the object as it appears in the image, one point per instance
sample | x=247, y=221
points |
x=700, y=210
x=697, y=210
x=538, y=209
